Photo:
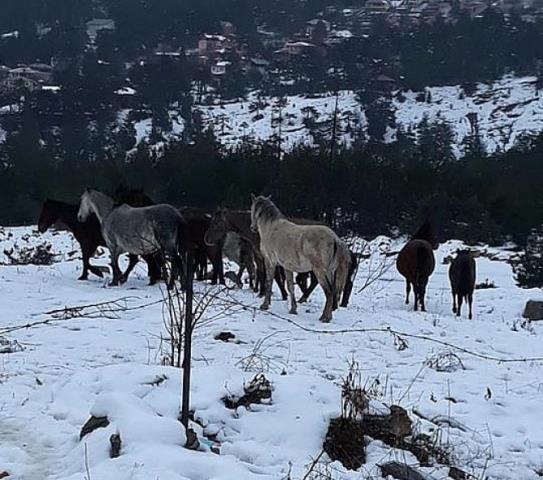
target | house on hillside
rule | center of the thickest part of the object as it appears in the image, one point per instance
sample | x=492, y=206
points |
x=30, y=78
x=96, y=25
x=220, y=68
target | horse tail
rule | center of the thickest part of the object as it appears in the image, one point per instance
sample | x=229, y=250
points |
x=336, y=281
x=342, y=273
x=419, y=266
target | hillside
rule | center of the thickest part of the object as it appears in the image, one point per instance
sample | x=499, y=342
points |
x=503, y=112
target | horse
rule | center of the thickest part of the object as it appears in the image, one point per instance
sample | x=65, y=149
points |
x=299, y=248
x=197, y=224
x=88, y=235
x=416, y=263
x=462, y=273
x=137, y=230
x=224, y=221
x=239, y=250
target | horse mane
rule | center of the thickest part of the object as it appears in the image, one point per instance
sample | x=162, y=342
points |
x=427, y=232
x=266, y=210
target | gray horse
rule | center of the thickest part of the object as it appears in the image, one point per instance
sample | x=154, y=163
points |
x=300, y=248
x=139, y=231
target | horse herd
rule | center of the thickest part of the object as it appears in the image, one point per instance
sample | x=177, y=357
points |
x=261, y=241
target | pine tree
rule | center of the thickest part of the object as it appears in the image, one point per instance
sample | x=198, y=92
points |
x=529, y=269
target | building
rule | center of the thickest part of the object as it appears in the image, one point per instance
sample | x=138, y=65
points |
x=219, y=69
x=97, y=25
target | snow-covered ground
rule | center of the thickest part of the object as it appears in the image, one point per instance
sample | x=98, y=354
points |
x=111, y=365
x=504, y=112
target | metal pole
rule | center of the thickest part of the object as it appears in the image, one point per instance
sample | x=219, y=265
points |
x=187, y=350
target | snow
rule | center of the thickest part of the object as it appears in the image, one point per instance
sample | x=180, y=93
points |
x=111, y=365
x=235, y=123
x=505, y=111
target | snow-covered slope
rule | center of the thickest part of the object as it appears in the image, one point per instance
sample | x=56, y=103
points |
x=504, y=112
x=110, y=364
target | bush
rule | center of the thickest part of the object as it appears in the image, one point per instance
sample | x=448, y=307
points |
x=529, y=269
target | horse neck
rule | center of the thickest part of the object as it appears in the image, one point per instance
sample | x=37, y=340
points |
x=101, y=205
x=65, y=212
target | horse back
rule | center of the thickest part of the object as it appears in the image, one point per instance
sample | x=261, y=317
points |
x=416, y=258
x=462, y=274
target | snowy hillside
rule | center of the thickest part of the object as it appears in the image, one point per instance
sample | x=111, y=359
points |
x=503, y=111
x=486, y=412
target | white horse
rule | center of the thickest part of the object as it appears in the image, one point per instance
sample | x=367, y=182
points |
x=300, y=248
x=139, y=231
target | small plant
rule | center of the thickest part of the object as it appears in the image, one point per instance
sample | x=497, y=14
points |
x=41, y=254
x=487, y=284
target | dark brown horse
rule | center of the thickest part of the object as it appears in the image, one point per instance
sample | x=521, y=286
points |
x=416, y=263
x=88, y=234
x=239, y=221
x=462, y=274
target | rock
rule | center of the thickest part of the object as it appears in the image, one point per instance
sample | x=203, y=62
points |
x=225, y=336
x=257, y=391
x=402, y=471
x=192, y=440
x=391, y=429
x=92, y=424
x=115, y=450
x=344, y=442
x=457, y=474
x=533, y=310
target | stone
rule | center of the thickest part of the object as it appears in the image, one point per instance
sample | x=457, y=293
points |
x=533, y=310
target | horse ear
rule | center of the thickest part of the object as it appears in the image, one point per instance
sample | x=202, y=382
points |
x=253, y=198
x=269, y=197
x=87, y=189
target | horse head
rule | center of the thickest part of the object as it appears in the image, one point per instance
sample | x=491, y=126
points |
x=48, y=216
x=218, y=227
x=85, y=206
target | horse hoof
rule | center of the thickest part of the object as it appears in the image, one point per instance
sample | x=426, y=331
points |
x=302, y=300
x=293, y=312
x=325, y=320
x=264, y=307
x=123, y=280
x=113, y=284
x=470, y=316
x=83, y=277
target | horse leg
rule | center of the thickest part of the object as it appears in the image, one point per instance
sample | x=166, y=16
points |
x=279, y=274
x=417, y=296
x=132, y=262
x=270, y=269
x=326, y=287
x=86, y=265
x=260, y=277
x=313, y=282
x=422, y=297
x=301, y=281
x=460, y=300
x=115, y=268
x=470, y=302
x=454, y=301
x=153, y=268
x=290, y=286
x=407, y=292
